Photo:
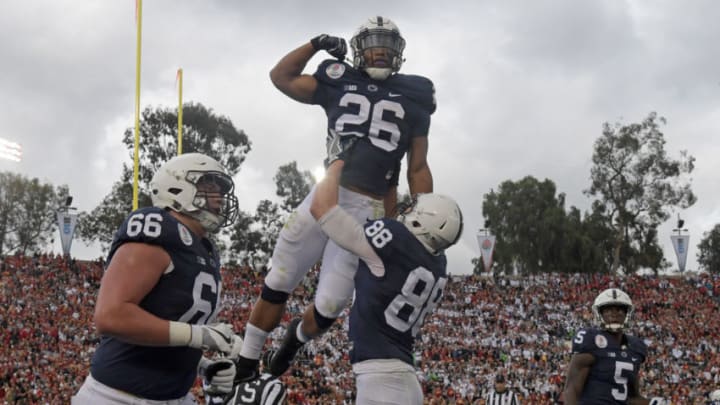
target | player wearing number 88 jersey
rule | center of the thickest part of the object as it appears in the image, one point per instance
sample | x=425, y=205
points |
x=399, y=281
x=605, y=365
x=161, y=291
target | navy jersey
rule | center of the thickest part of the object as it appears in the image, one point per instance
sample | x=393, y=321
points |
x=383, y=114
x=388, y=311
x=615, y=365
x=190, y=293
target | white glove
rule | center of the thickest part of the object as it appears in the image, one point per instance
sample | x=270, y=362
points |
x=218, y=376
x=237, y=344
x=217, y=336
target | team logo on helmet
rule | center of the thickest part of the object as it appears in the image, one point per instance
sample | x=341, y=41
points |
x=185, y=235
x=335, y=70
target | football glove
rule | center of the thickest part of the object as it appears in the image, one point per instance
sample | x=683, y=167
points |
x=338, y=146
x=218, y=376
x=219, y=337
x=335, y=46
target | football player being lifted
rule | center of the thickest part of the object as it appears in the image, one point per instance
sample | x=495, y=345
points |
x=605, y=363
x=388, y=116
x=160, y=293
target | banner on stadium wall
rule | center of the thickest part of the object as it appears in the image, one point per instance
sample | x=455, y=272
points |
x=487, y=246
x=66, y=224
x=680, y=243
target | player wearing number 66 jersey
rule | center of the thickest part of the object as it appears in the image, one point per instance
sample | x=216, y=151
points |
x=399, y=281
x=160, y=293
x=605, y=365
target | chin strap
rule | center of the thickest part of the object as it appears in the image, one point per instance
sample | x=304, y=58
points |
x=378, y=73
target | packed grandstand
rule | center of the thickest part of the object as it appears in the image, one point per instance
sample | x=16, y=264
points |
x=520, y=327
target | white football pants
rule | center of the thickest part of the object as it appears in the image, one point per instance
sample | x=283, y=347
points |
x=302, y=243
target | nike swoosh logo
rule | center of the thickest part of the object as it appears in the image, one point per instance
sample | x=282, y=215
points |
x=391, y=94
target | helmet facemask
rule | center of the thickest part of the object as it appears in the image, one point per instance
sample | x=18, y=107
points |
x=378, y=33
x=215, y=203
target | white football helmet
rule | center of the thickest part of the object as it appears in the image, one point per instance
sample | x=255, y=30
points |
x=378, y=32
x=613, y=296
x=436, y=220
x=189, y=184
x=715, y=397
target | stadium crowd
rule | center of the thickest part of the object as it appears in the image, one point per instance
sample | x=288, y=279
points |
x=519, y=327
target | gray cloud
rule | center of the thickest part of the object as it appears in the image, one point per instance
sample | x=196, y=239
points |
x=522, y=87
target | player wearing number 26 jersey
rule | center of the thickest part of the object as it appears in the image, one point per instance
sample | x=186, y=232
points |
x=161, y=291
x=605, y=365
x=399, y=281
x=383, y=117
x=386, y=115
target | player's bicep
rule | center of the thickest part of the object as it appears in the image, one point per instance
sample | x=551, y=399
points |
x=134, y=270
x=300, y=88
x=578, y=371
x=634, y=387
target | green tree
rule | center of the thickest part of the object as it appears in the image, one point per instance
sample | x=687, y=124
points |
x=708, y=255
x=203, y=131
x=252, y=238
x=527, y=220
x=585, y=243
x=28, y=210
x=638, y=184
x=292, y=185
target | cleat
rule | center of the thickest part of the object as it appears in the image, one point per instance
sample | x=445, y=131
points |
x=277, y=362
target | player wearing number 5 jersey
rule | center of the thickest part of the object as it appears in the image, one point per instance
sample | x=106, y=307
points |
x=605, y=365
x=387, y=115
x=399, y=282
x=160, y=293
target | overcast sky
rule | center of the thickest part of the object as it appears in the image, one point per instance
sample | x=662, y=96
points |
x=523, y=88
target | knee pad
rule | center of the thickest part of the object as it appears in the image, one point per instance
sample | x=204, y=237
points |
x=321, y=321
x=274, y=296
x=329, y=306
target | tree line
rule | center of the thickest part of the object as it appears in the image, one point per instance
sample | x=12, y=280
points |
x=634, y=187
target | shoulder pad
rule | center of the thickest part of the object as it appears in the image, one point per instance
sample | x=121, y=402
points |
x=637, y=345
x=588, y=340
x=154, y=226
x=417, y=88
x=334, y=72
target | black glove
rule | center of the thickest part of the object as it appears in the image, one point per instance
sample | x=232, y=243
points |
x=335, y=46
x=338, y=147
